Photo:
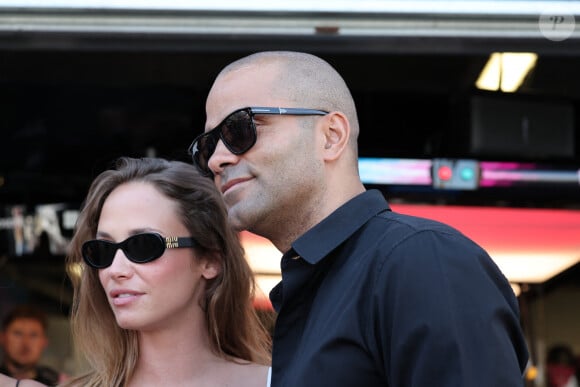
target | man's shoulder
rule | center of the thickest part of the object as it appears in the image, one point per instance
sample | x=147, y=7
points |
x=389, y=231
x=413, y=224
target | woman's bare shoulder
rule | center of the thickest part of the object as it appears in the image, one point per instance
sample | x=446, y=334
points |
x=251, y=375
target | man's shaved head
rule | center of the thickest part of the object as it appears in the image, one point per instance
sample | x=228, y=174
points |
x=307, y=80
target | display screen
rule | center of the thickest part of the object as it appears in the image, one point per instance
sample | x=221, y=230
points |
x=43, y=229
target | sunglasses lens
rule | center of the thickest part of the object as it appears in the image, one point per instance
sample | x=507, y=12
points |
x=143, y=248
x=238, y=132
x=98, y=254
x=139, y=248
x=202, y=150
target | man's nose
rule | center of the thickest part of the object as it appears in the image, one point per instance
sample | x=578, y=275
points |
x=221, y=158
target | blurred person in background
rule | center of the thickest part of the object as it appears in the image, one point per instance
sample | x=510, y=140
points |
x=562, y=368
x=23, y=340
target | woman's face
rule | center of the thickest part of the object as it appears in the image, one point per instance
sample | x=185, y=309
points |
x=157, y=294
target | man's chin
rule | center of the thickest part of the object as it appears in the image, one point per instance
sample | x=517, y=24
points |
x=237, y=219
x=237, y=224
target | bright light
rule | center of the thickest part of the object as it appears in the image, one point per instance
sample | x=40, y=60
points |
x=506, y=71
x=265, y=284
x=467, y=174
x=536, y=268
x=261, y=254
x=445, y=173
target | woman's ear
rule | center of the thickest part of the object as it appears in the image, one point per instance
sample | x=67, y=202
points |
x=211, y=267
x=336, y=135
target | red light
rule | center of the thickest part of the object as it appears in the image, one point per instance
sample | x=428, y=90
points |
x=445, y=173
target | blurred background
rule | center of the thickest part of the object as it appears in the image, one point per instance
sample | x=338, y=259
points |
x=469, y=114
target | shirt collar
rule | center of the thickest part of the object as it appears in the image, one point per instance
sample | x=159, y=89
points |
x=320, y=240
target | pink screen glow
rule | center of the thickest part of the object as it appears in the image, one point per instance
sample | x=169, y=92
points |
x=508, y=229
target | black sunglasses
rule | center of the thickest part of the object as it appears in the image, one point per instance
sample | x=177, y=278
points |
x=238, y=132
x=139, y=248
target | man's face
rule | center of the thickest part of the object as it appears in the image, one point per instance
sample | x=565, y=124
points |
x=270, y=184
x=24, y=340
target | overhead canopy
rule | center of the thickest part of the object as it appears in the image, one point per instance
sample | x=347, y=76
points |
x=440, y=22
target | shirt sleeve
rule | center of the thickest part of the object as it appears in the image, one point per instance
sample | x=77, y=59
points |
x=446, y=316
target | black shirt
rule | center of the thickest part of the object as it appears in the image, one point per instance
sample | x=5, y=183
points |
x=369, y=297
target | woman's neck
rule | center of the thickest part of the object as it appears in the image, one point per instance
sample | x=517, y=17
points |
x=179, y=353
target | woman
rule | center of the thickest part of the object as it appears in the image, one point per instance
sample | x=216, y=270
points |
x=164, y=295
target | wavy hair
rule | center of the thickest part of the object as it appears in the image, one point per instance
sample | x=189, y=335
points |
x=234, y=329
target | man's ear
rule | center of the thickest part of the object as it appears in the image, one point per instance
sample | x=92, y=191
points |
x=336, y=135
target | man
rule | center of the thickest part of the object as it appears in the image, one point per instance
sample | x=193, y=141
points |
x=368, y=297
x=23, y=339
